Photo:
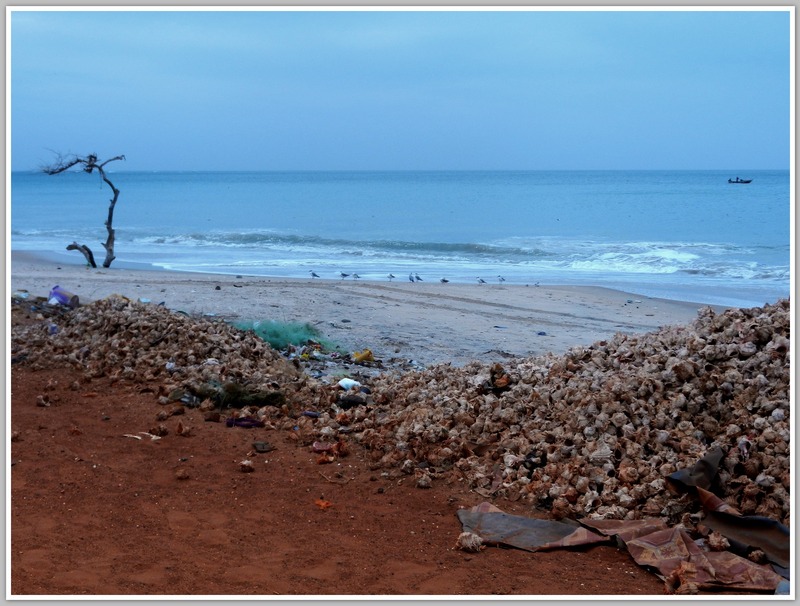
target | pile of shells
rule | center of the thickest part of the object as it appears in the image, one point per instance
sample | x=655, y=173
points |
x=596, y=431
x=593, y=432
x=123, y=339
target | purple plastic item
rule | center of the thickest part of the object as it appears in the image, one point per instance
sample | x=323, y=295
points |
x=64, y=297
x=248, y=422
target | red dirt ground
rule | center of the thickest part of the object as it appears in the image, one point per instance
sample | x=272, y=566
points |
x=95, y=512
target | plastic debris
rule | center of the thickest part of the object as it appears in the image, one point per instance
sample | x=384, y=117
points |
x=363, y=356
x=246, y=422
x=321, y=447
x=143, y=433
x=348, y=383
x=494, y=526
x=63, y=297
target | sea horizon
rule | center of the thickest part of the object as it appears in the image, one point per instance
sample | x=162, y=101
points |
x=685, y=235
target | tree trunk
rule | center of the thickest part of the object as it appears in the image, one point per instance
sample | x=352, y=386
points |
x=109, y=243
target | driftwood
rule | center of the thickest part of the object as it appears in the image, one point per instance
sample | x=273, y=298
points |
x=89, y=165
x=87, y=252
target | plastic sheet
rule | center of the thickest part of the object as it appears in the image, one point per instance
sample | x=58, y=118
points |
x=531, y=534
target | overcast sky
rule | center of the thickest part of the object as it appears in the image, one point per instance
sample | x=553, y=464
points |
x=373, y=90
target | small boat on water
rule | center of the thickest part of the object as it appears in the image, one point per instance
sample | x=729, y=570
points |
x=738, y=180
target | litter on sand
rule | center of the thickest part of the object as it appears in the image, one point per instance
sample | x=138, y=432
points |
x=495, y=527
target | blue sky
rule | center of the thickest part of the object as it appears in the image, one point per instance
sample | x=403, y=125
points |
x=402, y=90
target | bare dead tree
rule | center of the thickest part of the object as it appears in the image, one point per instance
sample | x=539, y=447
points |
x=91, y=164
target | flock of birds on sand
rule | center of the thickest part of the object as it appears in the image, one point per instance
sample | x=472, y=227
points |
x=412, y=277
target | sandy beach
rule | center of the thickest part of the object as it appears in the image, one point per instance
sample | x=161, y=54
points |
x=427, y=322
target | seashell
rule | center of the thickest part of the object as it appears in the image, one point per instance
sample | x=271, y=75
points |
x=752, y=467
x=747, y=349
x=424, y=480
x=561, y=509
x=570, y=494
x=619, y=419
x=779, y=345
x=764, y=480
x=246, y=466
x=627, y=473
x=470, y=542
x=589, y=501
x=624, y=498
x=408, y=466
x=582, y=484
x=661, y=436
x=611, y=512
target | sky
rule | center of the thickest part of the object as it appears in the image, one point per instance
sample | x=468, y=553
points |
x=403, y=90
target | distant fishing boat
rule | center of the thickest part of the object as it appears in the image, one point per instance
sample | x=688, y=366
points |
x=738, y=180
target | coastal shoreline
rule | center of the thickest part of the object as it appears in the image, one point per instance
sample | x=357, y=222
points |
x=425, y=322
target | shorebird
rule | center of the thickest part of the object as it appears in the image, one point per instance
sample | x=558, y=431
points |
x=344, y=275
x=501, y=279
x=391, y=277
x=444, y=280
x=313, y=275
x=418, y=278
x=356, y=276
x=481, y=280
x=410, y=277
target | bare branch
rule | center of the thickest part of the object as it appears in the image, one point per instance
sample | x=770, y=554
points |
x=61, y=164
x=111, y=160
x=87, y=252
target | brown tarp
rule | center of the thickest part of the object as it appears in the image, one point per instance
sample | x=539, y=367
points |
x=626, y=530
x=701, y=474
x=497, y=527
x=650, y=542
x=680, y=560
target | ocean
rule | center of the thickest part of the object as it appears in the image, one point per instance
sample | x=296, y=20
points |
x=685, y=235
